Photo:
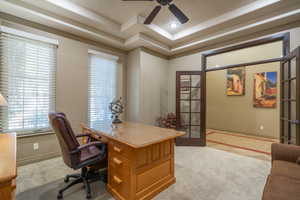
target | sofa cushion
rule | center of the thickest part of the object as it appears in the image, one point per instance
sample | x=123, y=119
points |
x=285, y=168
x=281, y=188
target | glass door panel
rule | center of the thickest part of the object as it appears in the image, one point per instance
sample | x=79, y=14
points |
x=188, y=107
x=184, y=106
x=195, y=79
x=195, y=131
x=195, y=106
x=185, y=118
x=195, y=93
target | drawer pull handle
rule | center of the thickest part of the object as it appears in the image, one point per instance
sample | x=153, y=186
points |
x=117, y=180
x=117, y=161
x=117, y=149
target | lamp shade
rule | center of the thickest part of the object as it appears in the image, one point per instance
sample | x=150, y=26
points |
x=3, y=102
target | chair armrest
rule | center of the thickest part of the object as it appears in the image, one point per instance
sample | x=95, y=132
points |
x=97, y=144
x=285, y=152
x=83, y=135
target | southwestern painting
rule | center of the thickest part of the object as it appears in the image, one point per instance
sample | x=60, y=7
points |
x=236, y=82
x=265, y=90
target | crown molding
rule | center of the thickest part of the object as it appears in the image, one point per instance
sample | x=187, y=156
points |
x=20, y=21
x=246, y=38
x=24, y=34
x=72, y=7
x=154, y=53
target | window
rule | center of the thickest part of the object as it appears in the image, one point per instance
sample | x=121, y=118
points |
x=27, y=80
x=102, y=88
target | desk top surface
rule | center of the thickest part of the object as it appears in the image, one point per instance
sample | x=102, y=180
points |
x=8, y=170
x=137, y=135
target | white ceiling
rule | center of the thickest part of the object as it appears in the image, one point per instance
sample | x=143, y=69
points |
x=120, y=24
x=197, y=10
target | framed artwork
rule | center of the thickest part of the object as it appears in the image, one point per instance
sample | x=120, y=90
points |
x=265, y=90
x=236, y=81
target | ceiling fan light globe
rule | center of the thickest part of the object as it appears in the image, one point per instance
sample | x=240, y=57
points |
x=173, y=25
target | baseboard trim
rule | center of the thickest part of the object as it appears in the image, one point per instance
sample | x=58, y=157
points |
x=38, y=158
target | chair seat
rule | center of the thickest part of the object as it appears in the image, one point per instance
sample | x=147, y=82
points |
x=89, y=153
x=285, y=168
x=281, y=188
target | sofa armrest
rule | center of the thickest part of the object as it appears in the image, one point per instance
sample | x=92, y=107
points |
x=285, y=152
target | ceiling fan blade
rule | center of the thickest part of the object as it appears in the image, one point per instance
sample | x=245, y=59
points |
x=178, y=13
x=152, y=15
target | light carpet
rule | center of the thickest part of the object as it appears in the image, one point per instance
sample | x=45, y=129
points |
x=202, y=174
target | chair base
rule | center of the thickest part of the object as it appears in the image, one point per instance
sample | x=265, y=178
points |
x=86, y=177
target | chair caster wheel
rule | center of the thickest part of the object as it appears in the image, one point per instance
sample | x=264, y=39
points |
x=59, y=196
x=66, y=180
x=88, y=196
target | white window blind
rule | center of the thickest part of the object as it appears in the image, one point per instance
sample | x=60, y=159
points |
x=27, y=80
x=102, y=89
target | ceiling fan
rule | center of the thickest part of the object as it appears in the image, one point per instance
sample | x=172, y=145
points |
x=172, y=7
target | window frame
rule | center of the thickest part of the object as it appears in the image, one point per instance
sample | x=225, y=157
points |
x=107, y=57
x=51, y=88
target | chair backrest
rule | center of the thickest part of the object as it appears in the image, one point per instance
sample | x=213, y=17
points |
x=65, y=136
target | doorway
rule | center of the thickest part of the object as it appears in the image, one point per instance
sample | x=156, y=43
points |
x=289, y=120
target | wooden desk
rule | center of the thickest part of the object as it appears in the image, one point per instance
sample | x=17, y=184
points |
x=140, y=159
x=8, y=169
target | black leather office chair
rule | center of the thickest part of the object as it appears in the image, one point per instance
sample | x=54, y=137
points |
x=77, y=156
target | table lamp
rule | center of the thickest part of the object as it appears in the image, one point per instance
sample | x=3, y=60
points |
x=3, y=102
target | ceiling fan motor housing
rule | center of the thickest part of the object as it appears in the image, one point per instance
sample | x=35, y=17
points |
x=164, y=2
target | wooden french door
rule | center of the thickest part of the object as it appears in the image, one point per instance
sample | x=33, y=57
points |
x=188, y=108
x=290, y=99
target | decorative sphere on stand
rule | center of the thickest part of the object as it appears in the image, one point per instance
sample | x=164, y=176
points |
x=117, y=108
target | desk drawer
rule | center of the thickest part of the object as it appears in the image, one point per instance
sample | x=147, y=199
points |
x=119, y=176
x=119, y=162
x=119, y=149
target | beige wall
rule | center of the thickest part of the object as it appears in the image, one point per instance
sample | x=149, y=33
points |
x=256, y=53
x=133, y=86
x=147, y=81
x=236, y=113
x=295, y=38
x=71, y=92
x=154, y=87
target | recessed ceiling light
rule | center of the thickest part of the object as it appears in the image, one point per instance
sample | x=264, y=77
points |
x=173, y=25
